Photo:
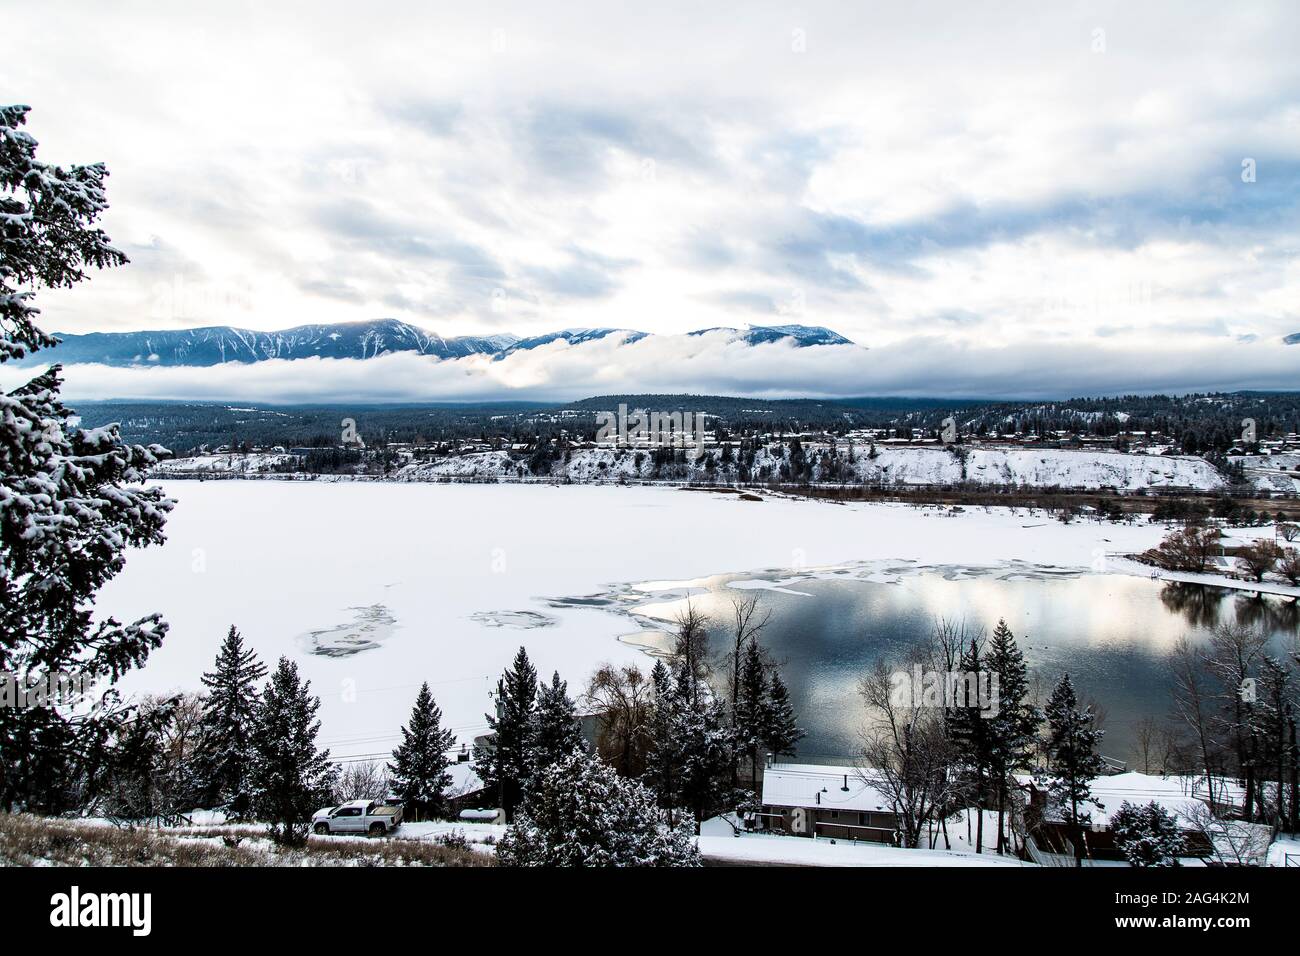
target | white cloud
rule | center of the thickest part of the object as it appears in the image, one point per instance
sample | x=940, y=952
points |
x=706, y=364
x=925, y=176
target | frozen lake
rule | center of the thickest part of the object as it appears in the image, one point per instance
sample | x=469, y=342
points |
x=374, y=588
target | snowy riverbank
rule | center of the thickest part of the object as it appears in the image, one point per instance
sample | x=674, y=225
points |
x=904, y=466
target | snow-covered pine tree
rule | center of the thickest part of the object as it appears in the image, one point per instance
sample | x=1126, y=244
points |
x=1148, y=835
x=1013, y=729
x=582, y=813
x=1073, y=759
x=1272, y=725
x=969, y=727
x=72, y=504
x=419, y=767
x=782, y=734
x=663, y=758
x=291, y=778
x=705, y=745
x=504, y=762
x=753, y=716
x=225, y=753
x=555, y=732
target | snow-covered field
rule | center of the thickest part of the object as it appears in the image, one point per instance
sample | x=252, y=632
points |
x=904, y=466
x=251, y=464
x=1277, y=472
x=449, y=564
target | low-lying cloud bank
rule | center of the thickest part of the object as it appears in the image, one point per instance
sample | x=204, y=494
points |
x=923, y=366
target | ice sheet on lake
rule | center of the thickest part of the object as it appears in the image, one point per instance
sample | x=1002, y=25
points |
x=370, y=627
x=589, y=600
x=672, y=597
x=522, y=620
x=761, y=584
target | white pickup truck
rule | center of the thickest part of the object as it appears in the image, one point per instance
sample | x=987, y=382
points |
x=357, y=816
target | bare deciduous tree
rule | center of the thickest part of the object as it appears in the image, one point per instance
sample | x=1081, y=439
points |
x=906, y=753
x=748, y=620
x=1187, y=549
x=1258, y=559
x=362, y=780
x=1234, y=651
x=1288, y=565
x=1193, y=708
x=623, y=699
x=691, y=647
x=1233, y=842
x=1154, y=744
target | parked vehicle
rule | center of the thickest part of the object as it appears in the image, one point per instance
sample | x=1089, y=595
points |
x=358, y=816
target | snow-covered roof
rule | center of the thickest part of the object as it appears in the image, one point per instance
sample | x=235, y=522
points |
x=1176, y=794
x=812, y=785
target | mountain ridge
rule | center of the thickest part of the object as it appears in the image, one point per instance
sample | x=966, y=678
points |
x=217, y=345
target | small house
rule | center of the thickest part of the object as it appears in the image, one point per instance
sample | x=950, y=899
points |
x=813, y=800
x=1180, y=796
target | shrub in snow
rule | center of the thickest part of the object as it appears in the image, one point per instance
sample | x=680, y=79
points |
x=1147, y=835
x=581, y=813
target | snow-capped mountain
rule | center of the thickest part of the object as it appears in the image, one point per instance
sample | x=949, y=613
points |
x=354, y=340
x=218, y=344
x=572, y=336
x=803, y=335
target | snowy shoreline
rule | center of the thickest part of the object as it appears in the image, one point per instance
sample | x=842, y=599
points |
x=866, y=464
x=1126, y=565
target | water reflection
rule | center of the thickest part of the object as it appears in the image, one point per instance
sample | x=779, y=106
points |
x=1112, y=633
x=1196, y=602
x=1269, y=614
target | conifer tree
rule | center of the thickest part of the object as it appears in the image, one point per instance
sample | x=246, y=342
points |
x=1014, y=726
x=1072, y=759
x=225, y=754
x=419, y=768
x=705, y=744
x=752, y=720
x=783, y=733
x=504, y=762
x=694, y=733
x=72, y=497
x=555, y=732
x=663, y=758
x=1272, y=722
x=969, y=727
x=291, y=778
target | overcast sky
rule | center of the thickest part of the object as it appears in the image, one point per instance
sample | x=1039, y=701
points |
x=995, y=199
